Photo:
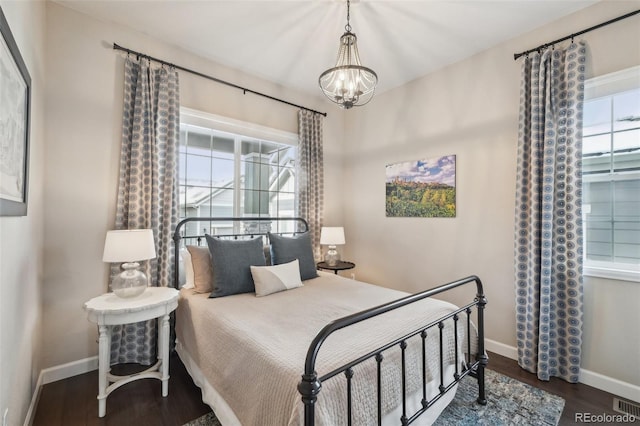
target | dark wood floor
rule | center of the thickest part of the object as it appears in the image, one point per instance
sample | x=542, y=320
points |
x=73, y=401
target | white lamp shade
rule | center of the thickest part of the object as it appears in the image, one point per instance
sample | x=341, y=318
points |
x=332, y=235
x=129, y=245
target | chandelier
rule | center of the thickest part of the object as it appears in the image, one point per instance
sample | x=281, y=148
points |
x=348, y=84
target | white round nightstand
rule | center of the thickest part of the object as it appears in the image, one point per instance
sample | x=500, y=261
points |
x=109, y=310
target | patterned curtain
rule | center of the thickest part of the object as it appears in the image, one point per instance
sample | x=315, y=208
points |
x=548, y=234
x=311, y=178
x=147, y=189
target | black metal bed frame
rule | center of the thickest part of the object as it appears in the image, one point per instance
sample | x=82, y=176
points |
x=311, y=385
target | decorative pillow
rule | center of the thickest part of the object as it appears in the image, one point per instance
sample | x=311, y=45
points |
x=202, y=269
x=231, y=261
x=272, y=279
x=286, y=249
x=186, y=269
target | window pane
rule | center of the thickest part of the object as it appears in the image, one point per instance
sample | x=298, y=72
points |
x=221, y=204
x=198, y=170
x=627, y=198
x=597, y=116
x=626, y=109
x=287, y=180
x=254, y=176
x=222, y=147
x=270, y=151
x=627, y=221
x=599, y=236
x=182, y=147
x=198, y=142
x=274, y=171
x=287, y=156
x=254, y=203
x=222, y=173
x=596, y=153
x=626, y=146
x=182, y=169
x=596, y=145
x=250, y=150
x=598, y=196
x=286, y=205
x=613, y=224
x=191, y=197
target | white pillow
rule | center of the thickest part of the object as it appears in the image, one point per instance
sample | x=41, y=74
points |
x=272, y=279
x=186, y=270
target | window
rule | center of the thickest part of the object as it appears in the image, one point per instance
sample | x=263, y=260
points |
x=611, y=175
x=229, y=168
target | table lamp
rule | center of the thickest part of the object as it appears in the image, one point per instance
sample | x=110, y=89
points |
x=332, y=236
x=129, y=246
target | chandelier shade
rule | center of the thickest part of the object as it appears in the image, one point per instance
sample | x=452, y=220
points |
x=349, y=83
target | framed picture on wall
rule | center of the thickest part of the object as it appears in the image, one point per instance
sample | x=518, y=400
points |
x=422, y=188
x=15, y=92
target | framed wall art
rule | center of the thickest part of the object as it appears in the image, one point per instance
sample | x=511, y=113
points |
x=15, y=92
x=422, y=188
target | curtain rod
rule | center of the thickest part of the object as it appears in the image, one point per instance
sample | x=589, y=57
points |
x=208, y=77
x=595, y=27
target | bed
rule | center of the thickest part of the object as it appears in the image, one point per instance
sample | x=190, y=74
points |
x=331, y=351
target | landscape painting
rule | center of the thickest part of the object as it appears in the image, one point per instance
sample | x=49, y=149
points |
x=422, y=188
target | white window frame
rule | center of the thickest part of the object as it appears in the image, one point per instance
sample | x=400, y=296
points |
x=596, y=87
x=238, y=131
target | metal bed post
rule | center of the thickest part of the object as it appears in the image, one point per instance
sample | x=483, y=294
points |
x=309, y=388
x=176, y=256
x=482, y=358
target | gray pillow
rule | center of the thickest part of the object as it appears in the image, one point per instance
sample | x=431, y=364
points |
x=288, y=249
x=231, y=261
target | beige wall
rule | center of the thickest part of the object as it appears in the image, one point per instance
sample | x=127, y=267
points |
x=21, y=238
x=84, y=112
x=470, y=109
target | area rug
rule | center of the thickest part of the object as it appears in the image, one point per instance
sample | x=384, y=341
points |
x=509, y=402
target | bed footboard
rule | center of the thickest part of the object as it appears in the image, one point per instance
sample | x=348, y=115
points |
x=311, y=385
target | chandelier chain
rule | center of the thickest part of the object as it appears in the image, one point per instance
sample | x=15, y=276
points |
x=348, y=26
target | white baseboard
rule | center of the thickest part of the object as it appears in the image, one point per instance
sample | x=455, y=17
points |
x=53, y=374
x=608, y=384
x=70, y=369
x=501, y=349
x=617, y=387
x=28, y=420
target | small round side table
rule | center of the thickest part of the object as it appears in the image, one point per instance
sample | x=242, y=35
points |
x=109, y=310
x=340, y=266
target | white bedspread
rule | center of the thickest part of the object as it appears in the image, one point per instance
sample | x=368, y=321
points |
x=252, y=350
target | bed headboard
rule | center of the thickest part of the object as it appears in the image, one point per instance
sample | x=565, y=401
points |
x=193, y=230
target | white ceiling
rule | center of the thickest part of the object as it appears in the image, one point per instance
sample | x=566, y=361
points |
x=292, y=42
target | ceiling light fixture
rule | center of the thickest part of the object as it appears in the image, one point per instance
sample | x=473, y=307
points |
x=348, y=84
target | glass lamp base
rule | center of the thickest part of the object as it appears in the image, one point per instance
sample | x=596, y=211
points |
x=129, y=283
x=332, y=257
